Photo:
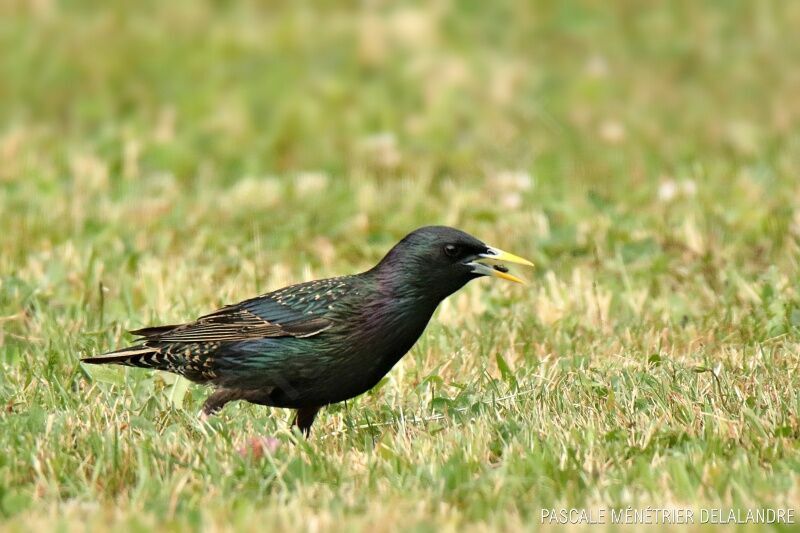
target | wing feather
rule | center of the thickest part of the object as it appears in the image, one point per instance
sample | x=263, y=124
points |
x=290, y=312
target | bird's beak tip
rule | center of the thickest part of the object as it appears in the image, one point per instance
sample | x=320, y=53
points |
x=499, y=270
x=497, y=254
x=510, y=277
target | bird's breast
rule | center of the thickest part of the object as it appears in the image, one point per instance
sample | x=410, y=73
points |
x=385, y=333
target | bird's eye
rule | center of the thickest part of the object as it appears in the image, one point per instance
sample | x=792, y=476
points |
x=451, y=250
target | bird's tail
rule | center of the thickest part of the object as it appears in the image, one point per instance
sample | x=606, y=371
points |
x=138, y=356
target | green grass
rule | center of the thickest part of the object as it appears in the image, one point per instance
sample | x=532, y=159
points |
x=159, y=159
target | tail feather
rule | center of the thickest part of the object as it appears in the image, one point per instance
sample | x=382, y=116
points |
x=193, y=361
x=138, y=356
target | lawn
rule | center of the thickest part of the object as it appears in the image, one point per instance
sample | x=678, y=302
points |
x=161, y=159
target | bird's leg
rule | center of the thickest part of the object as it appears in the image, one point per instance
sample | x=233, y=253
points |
x=303, y=419
x=217, y=401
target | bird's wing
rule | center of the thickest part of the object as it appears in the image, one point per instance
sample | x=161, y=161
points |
x=234, y=324
x=296, y=311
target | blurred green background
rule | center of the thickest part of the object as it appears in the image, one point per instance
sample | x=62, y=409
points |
x=219, y=101
x=158, y=159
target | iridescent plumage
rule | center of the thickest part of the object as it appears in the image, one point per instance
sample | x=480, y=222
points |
x=319, y=342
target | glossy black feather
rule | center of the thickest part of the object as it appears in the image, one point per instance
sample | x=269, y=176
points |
x=314, y=343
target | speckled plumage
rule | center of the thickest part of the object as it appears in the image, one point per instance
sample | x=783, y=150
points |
x=315, y=343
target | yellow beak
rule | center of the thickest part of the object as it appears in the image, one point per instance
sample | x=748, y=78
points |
x=498, y=270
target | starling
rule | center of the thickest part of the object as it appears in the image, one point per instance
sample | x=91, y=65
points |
x=320, y=342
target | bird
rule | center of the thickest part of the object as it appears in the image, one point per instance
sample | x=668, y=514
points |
x=321, y=342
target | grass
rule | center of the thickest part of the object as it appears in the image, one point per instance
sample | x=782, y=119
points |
x=159, y=159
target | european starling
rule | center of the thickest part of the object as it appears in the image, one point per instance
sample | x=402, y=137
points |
x=319, y=342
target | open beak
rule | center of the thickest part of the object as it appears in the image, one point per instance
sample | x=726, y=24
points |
x=496, y=269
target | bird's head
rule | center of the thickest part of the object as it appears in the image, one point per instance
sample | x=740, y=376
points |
x=436, y=261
